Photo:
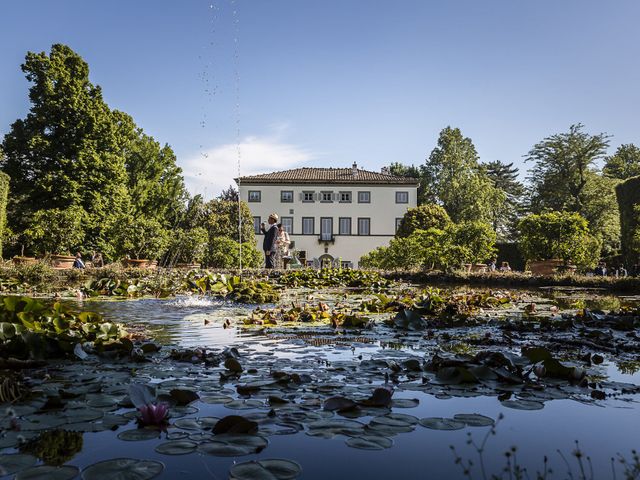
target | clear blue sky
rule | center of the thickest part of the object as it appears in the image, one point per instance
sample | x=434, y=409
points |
x=330, y=82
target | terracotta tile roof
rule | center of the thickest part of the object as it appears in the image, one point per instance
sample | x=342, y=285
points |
x=308, y=175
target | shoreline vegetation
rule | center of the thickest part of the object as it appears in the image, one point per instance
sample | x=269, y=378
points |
x=40, y=279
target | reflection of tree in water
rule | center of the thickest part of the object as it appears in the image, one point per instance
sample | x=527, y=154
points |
x=629, y=367
x=54, y=447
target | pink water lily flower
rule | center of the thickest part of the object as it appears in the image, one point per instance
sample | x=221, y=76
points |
x=152, y=414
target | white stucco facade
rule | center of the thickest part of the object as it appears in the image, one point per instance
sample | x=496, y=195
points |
x=331, y=220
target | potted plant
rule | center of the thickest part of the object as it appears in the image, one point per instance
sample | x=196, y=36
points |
x=556, y=242
x=141, y=241
x=55, y=233
x=188, y=247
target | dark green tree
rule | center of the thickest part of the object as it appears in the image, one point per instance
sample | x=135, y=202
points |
x=505, y=216
x=453, y=178
x=623, y=164
x=401, y=170
x=564, y=178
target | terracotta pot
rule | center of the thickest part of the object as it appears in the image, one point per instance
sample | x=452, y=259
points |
x=139, y=263
x=23, y=260
x=479, y=267
x=62, y=262
x=545, y=267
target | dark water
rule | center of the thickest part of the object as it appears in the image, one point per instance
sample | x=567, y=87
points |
x=604, y=428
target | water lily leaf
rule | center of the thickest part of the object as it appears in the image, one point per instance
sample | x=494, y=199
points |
x=216, y=399
x=233, y=445
x=183, y=397
x=333, y=404
x=537, y=354
x=243, y=404
x=439, y=423
x=523, y=404
x=392, y=423
x=46, y=472
x=139, y=434
x=405, y=402
x=141, y=395
x=123, y=469
x=369, y=442
x=176, y=447
x=328, y=428
x=14, y=462
x=188, y=424
x=233, y=365
x=381, y=397
x=269, y=469
x=474, y=419
x=235, y=424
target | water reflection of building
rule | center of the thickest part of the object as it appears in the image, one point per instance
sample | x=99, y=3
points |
x=331, y=213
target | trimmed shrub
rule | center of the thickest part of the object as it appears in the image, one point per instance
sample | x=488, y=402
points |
x=423, y=217
x=628, y=195
x=558, y=235
x=224, y=252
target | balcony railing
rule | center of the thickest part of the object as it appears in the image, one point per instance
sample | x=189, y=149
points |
x=326, y=237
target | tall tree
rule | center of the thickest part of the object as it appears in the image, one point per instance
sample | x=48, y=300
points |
x=72, y=151
x=231, y=194
x=453, y=178
x=565, y=178
x=623, y=164
x=505, y=216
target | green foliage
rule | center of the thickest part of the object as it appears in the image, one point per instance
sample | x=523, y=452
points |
x=225, y=253
x=221, y=220
x=467, y=242
x=423, y=217
x=453, y=178
x=188, y=246
x=333, y=277
x=628, y=195
x=623, y=164
x=505, y=216
x=31, y=328
x=56, y=231
x=476, y=241
x=564, y=179
x=561, y=235
x=4, y=197
x=73, y=151
x=141, y=238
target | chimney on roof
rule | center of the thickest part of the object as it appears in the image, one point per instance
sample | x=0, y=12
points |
x=385, y=170
x=354, y=169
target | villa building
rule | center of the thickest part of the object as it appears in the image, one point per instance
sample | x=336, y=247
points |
x=331, y=213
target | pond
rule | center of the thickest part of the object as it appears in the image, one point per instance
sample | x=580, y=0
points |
x=410, y=438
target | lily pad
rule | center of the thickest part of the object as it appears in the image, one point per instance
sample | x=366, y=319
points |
x=46, y=472
x=233, y=445
x=269, y=469
x=139, y=434
x=12, y=463
x=369, y=442
x=123, y=469
x=405, y=402
x=440, y=423
x=177, y=447
x=392, y=423
x=329, y=428
x=523, y=404
x=474, y=420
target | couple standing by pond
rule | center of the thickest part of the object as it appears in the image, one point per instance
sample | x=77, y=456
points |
x=275, y=244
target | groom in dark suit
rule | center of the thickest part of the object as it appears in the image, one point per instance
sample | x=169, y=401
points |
x=270, y=238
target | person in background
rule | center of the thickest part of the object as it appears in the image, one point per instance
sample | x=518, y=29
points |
x=505, y=267
x=282, y=247
x=96, y=260
x=601, y=270
x=78, y=263
x=270, y=238
x=493, y=264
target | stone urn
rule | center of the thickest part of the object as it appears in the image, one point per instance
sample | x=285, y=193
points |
x=545, y=267
x=139, y=263
x=62, y=262
x=479, y=267
x=24, y=260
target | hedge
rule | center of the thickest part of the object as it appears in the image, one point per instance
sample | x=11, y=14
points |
x=4, y=196
x=628, y=194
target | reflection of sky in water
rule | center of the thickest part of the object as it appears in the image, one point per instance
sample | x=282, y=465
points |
x=603, y=430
